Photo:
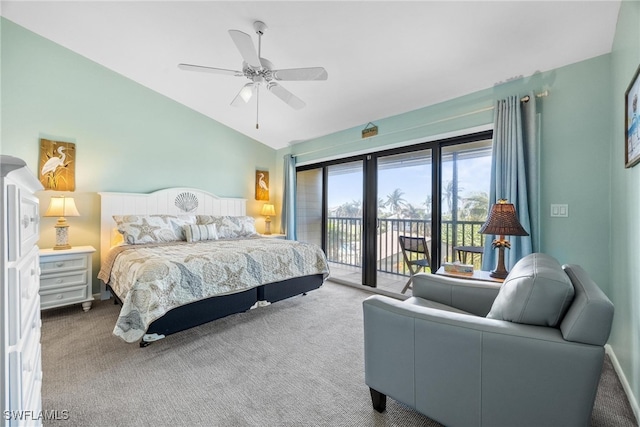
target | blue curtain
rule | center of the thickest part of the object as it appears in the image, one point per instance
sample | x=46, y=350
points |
x=288, y=217
x=514, y=175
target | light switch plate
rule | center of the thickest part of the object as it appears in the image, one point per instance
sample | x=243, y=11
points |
x=561, y=211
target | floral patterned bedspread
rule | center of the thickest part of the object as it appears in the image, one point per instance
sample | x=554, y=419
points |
x=152, y=279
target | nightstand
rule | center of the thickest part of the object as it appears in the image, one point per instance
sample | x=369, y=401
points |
x=66, y=277
x=274, y=236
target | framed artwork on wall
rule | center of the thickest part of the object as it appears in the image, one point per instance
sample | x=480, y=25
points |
x=262, y=185
x=632, y=122
x=57, y=166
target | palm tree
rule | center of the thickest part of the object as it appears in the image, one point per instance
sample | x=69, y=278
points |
x=349, y=209
x=427, y=203
x=476, y=206
x=395, y=202
x=412, y=212
x=448, y=195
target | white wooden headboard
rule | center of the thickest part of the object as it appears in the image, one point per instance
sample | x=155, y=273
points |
x=171, y=201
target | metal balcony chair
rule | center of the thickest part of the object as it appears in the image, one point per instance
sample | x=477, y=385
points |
x=465, y=251
x=415, y=252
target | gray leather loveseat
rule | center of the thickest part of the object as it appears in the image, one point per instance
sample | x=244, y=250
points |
x=528, y=352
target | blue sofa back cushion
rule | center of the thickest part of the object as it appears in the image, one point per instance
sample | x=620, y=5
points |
x=536, y=292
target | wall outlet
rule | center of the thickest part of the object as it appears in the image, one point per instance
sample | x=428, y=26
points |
x=561, y=211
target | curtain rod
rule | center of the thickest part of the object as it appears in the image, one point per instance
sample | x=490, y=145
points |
x=446, y=119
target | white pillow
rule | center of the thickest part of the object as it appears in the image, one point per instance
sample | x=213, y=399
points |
x=198, y=232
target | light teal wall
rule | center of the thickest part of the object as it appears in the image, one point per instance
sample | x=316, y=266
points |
x=624, y=289
x=576, y=134
x=128, y=138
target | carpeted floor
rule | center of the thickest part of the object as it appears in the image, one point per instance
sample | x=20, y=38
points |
x=298, y=362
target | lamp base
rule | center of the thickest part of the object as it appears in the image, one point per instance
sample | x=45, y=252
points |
x=62, y=237
x=499, y=274
x=267, y=226
x=500, y=271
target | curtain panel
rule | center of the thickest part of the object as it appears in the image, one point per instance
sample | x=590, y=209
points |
x=288, y=217
x=514, y=174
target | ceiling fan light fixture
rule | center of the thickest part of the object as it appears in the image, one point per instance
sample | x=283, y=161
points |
x=246, y=92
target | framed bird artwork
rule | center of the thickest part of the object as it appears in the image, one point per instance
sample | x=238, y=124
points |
x=57, y=166
x=262, y=185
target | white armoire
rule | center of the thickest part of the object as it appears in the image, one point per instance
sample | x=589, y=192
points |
x=21, y=372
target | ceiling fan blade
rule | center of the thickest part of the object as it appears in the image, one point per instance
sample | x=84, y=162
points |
x=201, y=68
x=312, y=73
x=245, y=45
x=244, y=95
x=286, y=96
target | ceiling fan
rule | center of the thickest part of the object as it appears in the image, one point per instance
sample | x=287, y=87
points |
x=260, y=71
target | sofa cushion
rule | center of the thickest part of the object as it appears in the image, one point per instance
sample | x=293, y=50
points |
x=536, y=292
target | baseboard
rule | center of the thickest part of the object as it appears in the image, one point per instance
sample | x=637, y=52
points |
x=369, y=289
x=623, y=379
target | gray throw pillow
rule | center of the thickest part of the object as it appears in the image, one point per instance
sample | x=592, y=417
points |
x=536, y=292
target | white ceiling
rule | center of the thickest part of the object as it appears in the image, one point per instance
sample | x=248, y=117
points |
x=383, y=57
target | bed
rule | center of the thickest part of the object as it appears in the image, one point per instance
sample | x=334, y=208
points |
x=166, y=284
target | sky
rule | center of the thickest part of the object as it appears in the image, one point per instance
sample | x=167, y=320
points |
x=414, y=181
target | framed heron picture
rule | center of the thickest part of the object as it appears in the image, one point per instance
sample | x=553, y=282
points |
x=262, y=185
x=57, y=166
x=632, y=122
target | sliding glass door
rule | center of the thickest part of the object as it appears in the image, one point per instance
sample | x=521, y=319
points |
x=309, y=203
x=357, y=208
x=404, y=208
x=344, y=219
x=466, y=174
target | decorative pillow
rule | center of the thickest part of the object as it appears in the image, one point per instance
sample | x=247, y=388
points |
x=536, y=292
x=139, y=229
x=198, y=232
x=230, y=227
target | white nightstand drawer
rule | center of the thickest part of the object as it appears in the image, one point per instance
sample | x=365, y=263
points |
x=59, y=297
x=63, y=280
x=66, y=277
x=59, y=263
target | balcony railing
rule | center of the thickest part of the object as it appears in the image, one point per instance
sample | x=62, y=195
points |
x=344, y=241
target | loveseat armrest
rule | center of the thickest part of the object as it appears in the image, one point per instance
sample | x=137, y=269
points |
x=473, y=296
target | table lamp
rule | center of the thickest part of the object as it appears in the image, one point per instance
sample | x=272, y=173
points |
x=62, y=207
x=502, y=221
x=268, y=210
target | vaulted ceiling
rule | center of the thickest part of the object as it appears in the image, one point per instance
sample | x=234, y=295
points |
x=383, y=58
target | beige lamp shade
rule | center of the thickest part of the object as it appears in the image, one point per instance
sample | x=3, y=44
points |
x=268, y=209
x=62, y=206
